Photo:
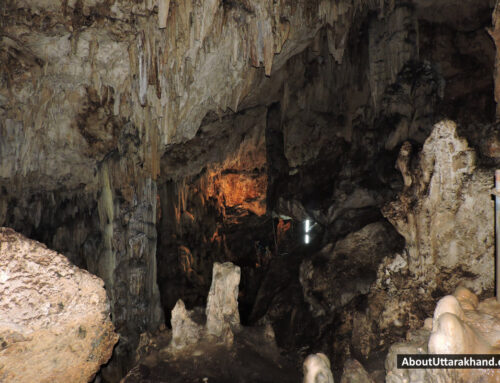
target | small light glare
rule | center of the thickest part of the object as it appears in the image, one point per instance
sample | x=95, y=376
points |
x=307, y=227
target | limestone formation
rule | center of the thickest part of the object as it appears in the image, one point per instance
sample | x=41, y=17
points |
x=459, y=327
x=445, y=214
x=223, y=317
x=185, y=330
x=354, y=372
x=54, y=317
x=317, y=369
x=416, y=344
x=226, y=351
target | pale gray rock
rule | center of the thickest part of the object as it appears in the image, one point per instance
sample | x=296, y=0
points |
x=417, y=345
x=222, y=305
x=445, y=212
x=185, y=330
x=317, y=369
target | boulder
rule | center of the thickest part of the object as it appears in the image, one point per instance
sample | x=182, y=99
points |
x=54, y=317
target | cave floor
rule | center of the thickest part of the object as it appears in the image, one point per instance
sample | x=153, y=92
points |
x=246, y=361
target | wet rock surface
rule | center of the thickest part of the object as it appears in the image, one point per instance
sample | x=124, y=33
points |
x=54, y=317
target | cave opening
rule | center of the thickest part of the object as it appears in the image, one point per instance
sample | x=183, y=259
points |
x=296, y=150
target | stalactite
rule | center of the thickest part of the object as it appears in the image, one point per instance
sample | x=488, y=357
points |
x=143, y=61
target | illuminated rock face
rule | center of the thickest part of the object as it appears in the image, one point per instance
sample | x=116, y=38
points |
x=461, y=325
x=54, y=321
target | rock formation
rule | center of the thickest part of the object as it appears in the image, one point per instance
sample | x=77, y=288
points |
x=147, y=140
x=317, y=369
x=222, y=304
x=54, y=317
x=354, y=372
x=354, y=258
x=213, y=347
x=444, y=211
x=185, y=330
x=461, y=325
x=222, y=316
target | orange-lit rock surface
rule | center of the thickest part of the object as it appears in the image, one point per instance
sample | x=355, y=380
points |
x=246, y=191
x=54, y=317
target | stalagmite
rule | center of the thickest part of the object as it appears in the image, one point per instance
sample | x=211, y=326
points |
x=185, y=330
x=146, y=140
x=317, y=369
x=222, y=304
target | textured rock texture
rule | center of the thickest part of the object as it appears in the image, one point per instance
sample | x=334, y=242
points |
x=347, y=270
x=185, y=330
x=221, y=318
x=445, y=212
x=461, y=325
x=54, y=317
x=222, y=303
x=354, y=372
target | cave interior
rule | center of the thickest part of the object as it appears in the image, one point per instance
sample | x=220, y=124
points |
x=266, y=134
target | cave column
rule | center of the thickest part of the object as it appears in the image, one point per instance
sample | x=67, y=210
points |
x=127, y=206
